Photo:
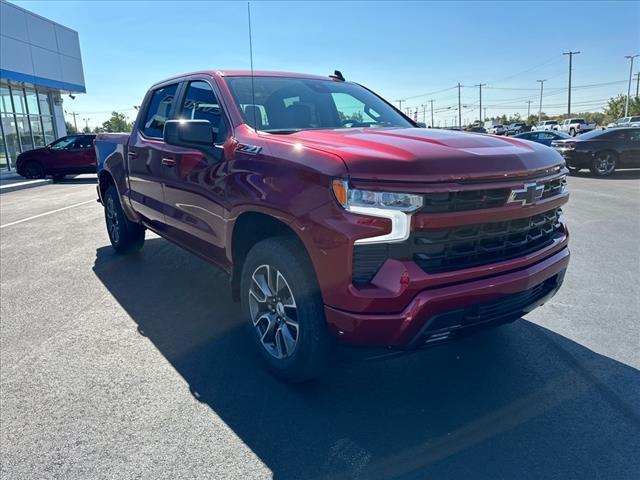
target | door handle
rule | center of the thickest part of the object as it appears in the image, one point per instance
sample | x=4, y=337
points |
x=132, y=154
x=168, y=161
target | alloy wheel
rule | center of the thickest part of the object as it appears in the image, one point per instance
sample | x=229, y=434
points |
x=273, y=311
x=112, y=220
x=604, y=163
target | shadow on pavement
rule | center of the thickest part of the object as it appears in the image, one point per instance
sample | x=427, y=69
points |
x=516, y=402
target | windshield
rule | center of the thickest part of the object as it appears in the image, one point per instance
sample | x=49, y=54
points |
x=286, y=105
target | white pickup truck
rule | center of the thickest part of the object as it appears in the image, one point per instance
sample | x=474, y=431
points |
x=575, y=126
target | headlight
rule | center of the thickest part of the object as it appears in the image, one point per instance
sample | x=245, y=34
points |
x=397, y=207
x=353, y=197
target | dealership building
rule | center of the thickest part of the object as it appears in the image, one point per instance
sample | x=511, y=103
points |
x=40, y=67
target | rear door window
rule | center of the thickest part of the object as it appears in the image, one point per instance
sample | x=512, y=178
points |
x=159, y=110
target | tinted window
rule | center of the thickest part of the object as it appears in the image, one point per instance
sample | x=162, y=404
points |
x=200, y=103
x=158, y=111
x=84, y=141
x=291, y=104
x=635, y=119
x=64, y=143
x=634, y=135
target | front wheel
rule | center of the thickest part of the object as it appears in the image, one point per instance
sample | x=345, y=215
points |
x=33, y=170
x=572, y=132
x=281, y=298
x=125, y=235
x=603, y=164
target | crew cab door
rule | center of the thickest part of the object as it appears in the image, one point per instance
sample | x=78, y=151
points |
x=147, y=152
x=194, y=182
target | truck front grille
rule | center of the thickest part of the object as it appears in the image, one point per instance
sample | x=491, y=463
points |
x=445, y=250
x=437, y=202
x=472, y=245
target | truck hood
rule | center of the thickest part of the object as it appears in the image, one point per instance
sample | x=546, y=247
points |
x=419, y=155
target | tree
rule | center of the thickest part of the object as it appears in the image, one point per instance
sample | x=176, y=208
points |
x=615, y=108
x=71, y=130
x=117, y=123
x=86, y=130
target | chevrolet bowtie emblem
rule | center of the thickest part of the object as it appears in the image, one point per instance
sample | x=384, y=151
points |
x=527, y=195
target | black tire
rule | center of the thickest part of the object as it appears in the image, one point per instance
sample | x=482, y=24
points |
x=572, y=132
x=58, y=177
x=604, y=163
x=125, y=235
x=32, y=170
x=310, y=354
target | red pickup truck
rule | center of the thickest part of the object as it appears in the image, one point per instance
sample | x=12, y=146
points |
x=337, y=219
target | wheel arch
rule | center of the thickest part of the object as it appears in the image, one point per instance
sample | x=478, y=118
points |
x=251, y=227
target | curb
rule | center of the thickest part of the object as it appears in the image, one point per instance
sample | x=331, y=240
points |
x=13, y=187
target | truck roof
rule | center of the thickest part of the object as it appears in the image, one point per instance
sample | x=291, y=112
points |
x=244, y=73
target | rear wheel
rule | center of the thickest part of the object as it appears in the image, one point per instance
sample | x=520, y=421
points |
x=125, y=235
x=603, y=164
x=32, y=170
x=281, y=298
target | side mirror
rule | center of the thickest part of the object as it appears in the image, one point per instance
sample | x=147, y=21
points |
x=196, y=134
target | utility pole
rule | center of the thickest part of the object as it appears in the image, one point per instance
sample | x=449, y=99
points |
x=528, y=109
x=424, y=113
x=432, y=125
x=75, y=124
x=459, y=108
x=86, y=123
x=638, y=83
x=480, y=111
x=400, y=102
x=626, y=104
x=571, y=54
x=540, y=110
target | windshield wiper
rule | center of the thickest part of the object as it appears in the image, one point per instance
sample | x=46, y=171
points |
x=283, y=131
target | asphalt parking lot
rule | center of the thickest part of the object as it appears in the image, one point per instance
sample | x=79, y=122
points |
x=138, y=367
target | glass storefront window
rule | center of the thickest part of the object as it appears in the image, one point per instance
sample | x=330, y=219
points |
x=10, y=137
x=18, y=100
x=49, y=133
x=45, y=106
x=24, y=132
x=36, y=130
x=5, y=100
x=3, y=155
x=32, y=102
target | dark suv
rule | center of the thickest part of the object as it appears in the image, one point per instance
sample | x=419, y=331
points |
x=73, y=154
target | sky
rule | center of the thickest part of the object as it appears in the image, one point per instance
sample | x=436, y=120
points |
x=417, y=51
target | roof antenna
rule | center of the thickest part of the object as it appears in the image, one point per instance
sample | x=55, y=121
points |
x=253, y=88
x=337, y=75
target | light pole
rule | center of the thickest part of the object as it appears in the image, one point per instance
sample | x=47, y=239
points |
x=86, y=123
x=480, y=111
x=459, y=109
x=431, y=101
x=571, y=54
x=540, y=110
x=626, y=104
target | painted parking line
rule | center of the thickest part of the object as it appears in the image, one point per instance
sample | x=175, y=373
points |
x=47, y=213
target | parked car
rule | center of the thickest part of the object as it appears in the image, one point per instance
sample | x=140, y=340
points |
x=516, y=128
x=575, y=126
x=73, y=154
x=543, y=137
x=497, y=130
x=625, y=122
x=545, y=125
x=332, y=223
x=602, y=151
x=475, y=129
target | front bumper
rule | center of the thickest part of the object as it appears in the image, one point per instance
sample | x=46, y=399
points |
x=439, y=313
